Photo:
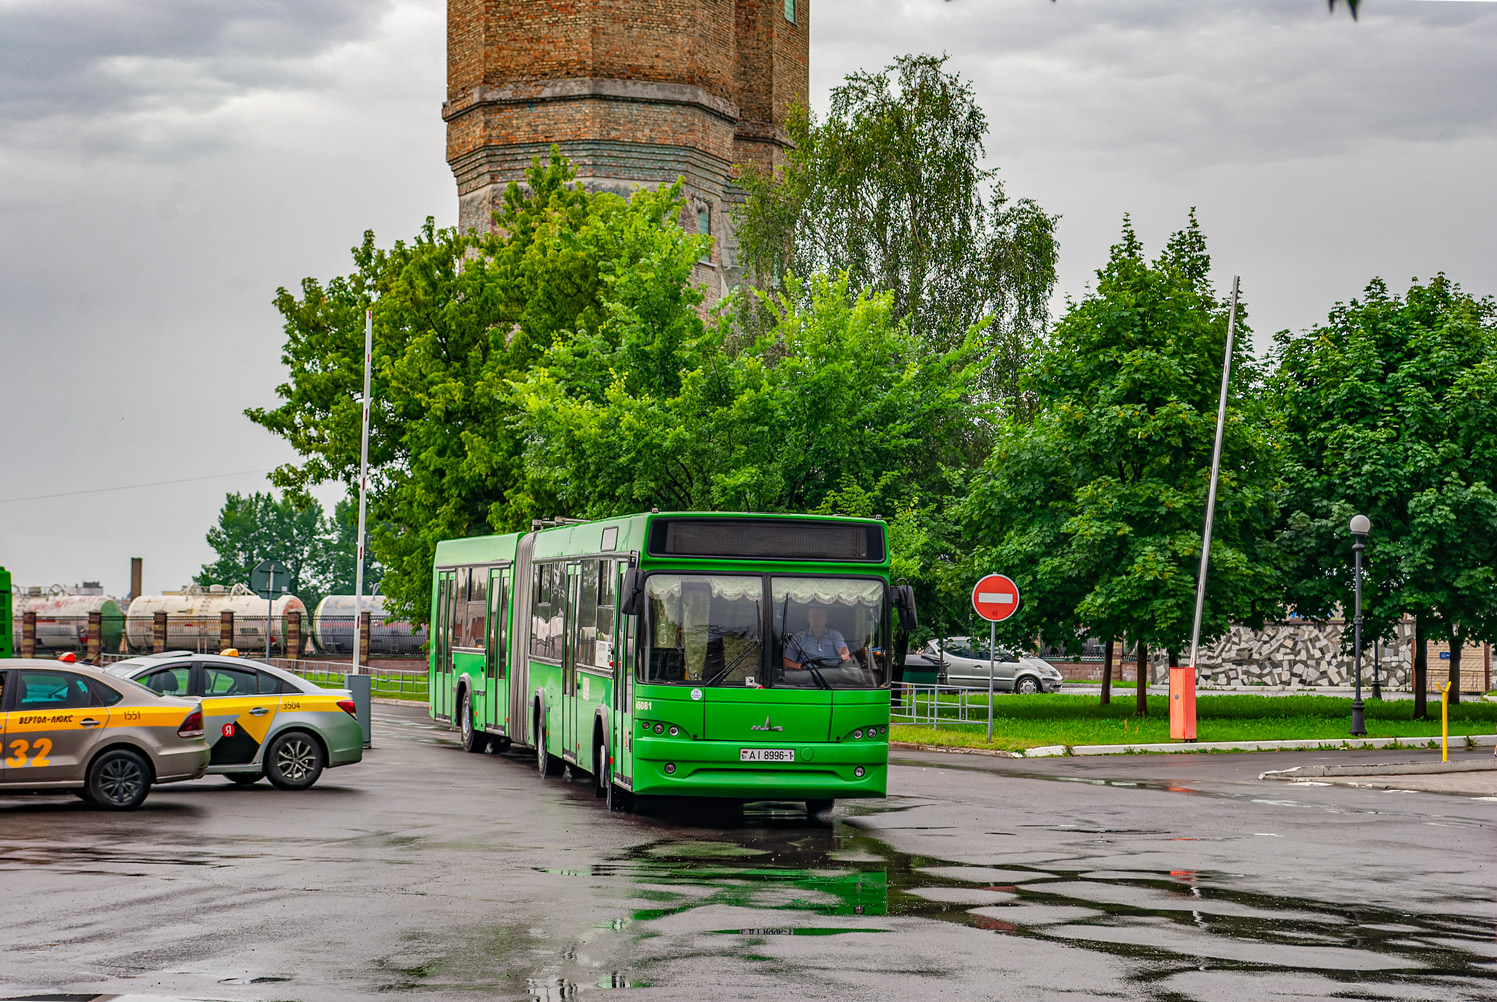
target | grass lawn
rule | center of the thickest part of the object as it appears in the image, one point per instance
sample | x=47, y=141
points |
x=385, y=687
x=1031, y=721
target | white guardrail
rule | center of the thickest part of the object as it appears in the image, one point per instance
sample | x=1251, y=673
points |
x=934, y=705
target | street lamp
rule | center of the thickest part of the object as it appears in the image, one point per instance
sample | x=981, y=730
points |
x=1360, y=526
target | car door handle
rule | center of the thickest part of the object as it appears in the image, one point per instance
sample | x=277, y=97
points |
x=89, y=722
x=259, y=711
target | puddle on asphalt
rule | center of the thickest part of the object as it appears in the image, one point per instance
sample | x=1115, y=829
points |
x=792, y=878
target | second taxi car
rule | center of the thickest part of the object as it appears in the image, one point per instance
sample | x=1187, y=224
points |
x=260, y=720
x=72, y=728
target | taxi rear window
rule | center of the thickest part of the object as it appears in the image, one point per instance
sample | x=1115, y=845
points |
x=103, y=694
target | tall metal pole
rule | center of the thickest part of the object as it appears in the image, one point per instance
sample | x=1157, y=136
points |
x=1358, y=725
x=1216, y=465
x=1377, y=689
x=992, y=653
x=358, y=587
x=269, y=608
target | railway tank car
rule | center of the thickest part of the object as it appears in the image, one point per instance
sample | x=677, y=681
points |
x=332, y=628
x=62, y=618
x=193, y=615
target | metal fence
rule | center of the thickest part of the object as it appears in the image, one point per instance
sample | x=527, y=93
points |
x=391, y=683
x=394, y=683
x=208, y=634
x=934, y=705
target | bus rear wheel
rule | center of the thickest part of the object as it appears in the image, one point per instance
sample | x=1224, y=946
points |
x=542, y=759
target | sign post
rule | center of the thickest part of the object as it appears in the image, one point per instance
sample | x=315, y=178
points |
x=263, y=582
x=995, y=598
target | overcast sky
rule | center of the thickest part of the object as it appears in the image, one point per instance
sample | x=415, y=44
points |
x=166, y=164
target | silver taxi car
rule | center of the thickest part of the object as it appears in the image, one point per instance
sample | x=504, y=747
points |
x=262, y=721
x=69, y=727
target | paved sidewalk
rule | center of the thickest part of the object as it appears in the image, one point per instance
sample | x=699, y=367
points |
x=1344, y=692
x=1196, y=747
x=1465, y=776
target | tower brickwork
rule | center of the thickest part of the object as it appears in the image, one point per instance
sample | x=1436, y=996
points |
x=634, y=92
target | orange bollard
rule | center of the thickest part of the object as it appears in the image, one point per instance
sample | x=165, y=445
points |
x=1183, y=703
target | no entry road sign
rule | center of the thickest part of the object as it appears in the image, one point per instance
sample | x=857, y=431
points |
x=995, y=598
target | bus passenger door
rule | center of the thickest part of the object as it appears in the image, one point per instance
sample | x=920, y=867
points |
x=569, y=739
x=623, y=693
x=440, y=687
x=497, y=687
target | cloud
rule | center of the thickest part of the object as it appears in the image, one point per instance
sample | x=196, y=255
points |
x=1194, y=84
x=162, y=79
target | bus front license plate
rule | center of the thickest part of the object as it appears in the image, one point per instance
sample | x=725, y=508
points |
x=766, y=754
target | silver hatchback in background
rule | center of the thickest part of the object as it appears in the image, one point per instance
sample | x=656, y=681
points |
x=964, y=662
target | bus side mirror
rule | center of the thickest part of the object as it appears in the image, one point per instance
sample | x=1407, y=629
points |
x=904, y=601
x=631, y=601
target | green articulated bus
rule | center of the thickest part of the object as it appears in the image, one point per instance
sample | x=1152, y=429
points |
x=723, y=655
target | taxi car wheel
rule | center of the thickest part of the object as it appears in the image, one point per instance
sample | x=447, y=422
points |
x=245, y=778
x=1027, y=686
x=473, y=740
x=293, y=761
x=118, y=780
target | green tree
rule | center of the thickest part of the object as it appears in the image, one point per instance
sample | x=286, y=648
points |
x=458, y=319
x=890, y=190
x=835, y=396
x=1096, y=509
x=336, y=557
x=256, y=527
x=1389, y=410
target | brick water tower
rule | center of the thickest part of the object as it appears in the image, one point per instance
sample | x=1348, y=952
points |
x=634, y=92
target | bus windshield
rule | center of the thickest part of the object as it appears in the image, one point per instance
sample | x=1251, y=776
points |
x=828, y=632
x=704, y=629
x=707, y=629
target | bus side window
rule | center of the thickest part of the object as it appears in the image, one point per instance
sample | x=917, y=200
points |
x=587, y=614
x=603, y=648
x=477, y=604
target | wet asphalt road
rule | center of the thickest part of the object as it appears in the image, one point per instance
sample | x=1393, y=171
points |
x=431, y=872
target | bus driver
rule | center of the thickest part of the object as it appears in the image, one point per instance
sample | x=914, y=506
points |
x=815, y=642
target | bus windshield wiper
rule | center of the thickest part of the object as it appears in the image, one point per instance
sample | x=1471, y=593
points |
x=728, y=669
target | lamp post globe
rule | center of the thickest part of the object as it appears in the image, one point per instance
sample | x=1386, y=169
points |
x=1360, y=526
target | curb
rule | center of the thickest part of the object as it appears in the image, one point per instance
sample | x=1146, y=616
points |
x=1385, y=769
x=1191, y=748
x=992, y=752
